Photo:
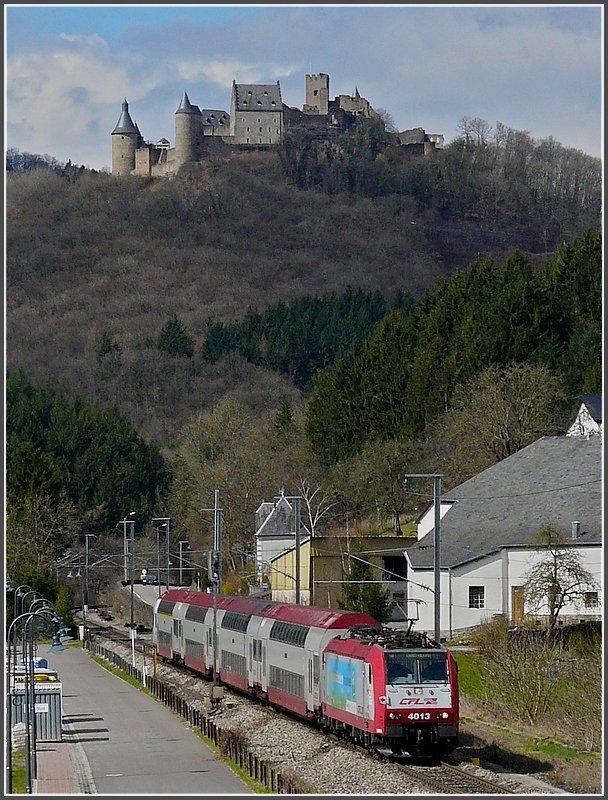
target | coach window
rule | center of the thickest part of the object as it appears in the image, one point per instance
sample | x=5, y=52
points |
x=476, y=597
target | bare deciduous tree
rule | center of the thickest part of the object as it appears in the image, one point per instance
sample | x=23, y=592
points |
x=558, y=579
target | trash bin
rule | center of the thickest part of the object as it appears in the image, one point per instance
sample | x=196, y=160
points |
x=47, y=709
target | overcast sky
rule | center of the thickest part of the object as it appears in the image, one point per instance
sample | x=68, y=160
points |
x=68, y=67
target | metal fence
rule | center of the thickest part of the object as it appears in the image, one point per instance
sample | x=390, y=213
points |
x=230, y=743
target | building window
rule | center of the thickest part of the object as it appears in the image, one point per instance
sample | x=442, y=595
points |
x=476, y=597
x=591, y=599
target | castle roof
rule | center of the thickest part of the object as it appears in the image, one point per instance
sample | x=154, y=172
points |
x=186, y=107
x=125, y=123
x=257, y=97
x=215, y=116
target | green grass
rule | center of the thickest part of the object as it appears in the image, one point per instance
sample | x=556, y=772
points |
x=18, y=771
x=554, y=750
x=469, y=674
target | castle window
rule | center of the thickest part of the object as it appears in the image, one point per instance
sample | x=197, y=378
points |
x=244, y=102
x=260, y=130
x=315, y=93
x=274, y=102
x=266, y=93
x=249, y=92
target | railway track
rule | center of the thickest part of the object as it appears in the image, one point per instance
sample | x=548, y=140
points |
x=448, y=779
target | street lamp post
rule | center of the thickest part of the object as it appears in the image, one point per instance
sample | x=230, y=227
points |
x=35, y=592
x=17, y=596
x=29, y=694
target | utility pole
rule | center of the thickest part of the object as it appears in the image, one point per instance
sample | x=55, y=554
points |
x=216, y=579
x=216, y=575
x=165, y=524
x=297, y=506
x=437, y=545
x=85, y=598
x=125, y=545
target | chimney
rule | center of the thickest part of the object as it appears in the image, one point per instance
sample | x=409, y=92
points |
x=576, y=529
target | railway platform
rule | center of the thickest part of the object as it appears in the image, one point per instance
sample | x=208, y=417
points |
x=58, y=772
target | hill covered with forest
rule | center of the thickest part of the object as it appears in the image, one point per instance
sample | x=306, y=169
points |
x=326, y=322
x=317, y=244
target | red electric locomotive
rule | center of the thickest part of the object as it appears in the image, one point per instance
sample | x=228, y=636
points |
x=391, y=690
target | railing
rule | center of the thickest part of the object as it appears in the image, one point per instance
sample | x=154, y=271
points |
x=230, y=743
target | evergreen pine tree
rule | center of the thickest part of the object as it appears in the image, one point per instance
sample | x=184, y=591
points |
x=174, y=340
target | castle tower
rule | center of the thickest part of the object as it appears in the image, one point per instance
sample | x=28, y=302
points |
x=125, y=141
x=317, y=94
x=188, y=133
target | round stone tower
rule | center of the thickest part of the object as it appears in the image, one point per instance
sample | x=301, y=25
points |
x=125, y=140
x=188, y=133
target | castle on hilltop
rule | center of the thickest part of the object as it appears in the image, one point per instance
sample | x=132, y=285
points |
x=258, y=120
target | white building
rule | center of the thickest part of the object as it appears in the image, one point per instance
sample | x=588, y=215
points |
x=487, y=530
x=275, y=534
x=588, y=420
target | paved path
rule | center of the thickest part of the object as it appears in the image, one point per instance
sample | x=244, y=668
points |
x=119, y=740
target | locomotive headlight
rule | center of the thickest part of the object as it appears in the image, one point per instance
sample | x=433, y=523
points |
x=443, y=715
x=393, y=715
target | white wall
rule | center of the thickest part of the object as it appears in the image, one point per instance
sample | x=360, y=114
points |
x=498, y=573
x=427, y=521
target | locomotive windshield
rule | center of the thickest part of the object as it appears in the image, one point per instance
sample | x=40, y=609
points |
x=408, y=667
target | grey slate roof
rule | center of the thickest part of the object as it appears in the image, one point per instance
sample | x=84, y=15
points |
x=186, y=107
x=554, y=481
x=125, y=124
x=215, y=116
x=258, y=97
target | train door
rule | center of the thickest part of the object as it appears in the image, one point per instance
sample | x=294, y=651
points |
x=368, y=691
x=177, y=631
x=252, y=652
x=313, y=681
x=264, y=666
